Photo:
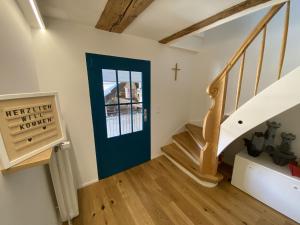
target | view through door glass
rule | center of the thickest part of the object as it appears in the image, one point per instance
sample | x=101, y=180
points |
x=123, y=101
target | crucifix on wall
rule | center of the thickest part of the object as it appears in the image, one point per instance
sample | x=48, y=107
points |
x=176, y=69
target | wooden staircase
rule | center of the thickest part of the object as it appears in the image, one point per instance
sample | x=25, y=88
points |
x=195, y=151
x=184, y=153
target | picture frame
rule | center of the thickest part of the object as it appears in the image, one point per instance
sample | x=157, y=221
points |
x=29, y=124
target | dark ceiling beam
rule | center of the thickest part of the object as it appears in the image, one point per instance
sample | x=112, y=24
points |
x=119, y=14
x=213, y=19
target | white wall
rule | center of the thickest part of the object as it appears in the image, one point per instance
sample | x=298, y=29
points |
x=219, y=44
x=289, y=123
x=60, y=55
x=25, y=196
x=16, y=51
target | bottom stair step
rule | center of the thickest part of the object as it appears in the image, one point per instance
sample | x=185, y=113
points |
x=175, y=154
x=185, y=141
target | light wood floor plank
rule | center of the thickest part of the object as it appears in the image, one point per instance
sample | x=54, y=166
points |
x=132, y=200
x=154, y=199
x=118, y=205
x=239, y=211
x=208, y=207
x=158, y=193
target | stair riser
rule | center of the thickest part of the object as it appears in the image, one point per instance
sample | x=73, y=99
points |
x=187, y=153
x=195, y=139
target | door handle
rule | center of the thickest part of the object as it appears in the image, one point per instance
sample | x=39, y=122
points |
x=145, y=115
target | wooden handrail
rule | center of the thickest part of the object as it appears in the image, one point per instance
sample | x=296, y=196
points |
x=256, y=31
x=218, y=89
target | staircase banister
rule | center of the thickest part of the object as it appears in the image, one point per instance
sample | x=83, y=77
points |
x=255, y=32
x=217, y=90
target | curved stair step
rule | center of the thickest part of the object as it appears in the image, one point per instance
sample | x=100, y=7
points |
x=196, y=133
x=179, y=159
x=187, y=144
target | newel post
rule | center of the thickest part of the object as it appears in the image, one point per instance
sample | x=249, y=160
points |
x=211, y=126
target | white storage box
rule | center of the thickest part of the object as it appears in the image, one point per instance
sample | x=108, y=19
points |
x=267, y=182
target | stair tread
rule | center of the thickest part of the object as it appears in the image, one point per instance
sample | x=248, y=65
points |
x=175, y=153
x=186, y=141
x=196, y=133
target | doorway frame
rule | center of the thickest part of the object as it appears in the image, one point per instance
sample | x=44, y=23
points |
x=96, y=62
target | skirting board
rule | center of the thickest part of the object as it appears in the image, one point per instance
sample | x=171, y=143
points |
x=85, y=184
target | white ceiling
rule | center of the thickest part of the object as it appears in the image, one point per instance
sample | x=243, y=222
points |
x=80, y=11
x=160, y=19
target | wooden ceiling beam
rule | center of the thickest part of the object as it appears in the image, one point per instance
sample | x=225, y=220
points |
x=213, y=19
x=119, y=14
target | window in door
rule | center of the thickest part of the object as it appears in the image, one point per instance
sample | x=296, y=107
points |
x=123, y=101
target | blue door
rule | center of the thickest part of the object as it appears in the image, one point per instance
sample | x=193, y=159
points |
x=120, y=101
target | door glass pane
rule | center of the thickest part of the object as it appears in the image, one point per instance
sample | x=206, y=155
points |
x=121, y=94
x=110, y=86
x=124, y=87
x=112, y=121
x=136, y=86
x=137, y=117
x=126, y=124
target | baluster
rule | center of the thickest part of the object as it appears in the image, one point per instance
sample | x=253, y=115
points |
x=241, y=74
x=284, y=39
x=261, y=58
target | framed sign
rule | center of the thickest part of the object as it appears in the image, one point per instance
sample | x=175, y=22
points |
x=29, y=124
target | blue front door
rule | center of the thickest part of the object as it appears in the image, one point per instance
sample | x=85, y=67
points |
x=120, y=102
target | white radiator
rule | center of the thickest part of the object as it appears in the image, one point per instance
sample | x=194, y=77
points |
x=63, y=182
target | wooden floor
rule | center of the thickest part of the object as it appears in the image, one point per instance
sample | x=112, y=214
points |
x=158, y=193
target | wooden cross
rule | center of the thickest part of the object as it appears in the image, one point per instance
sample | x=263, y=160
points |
x=176, y=69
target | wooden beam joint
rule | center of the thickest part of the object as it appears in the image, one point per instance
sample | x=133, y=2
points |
x=213, y=19
x=119, y=14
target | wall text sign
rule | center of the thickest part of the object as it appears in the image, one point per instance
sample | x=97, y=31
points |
x=29, y=124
